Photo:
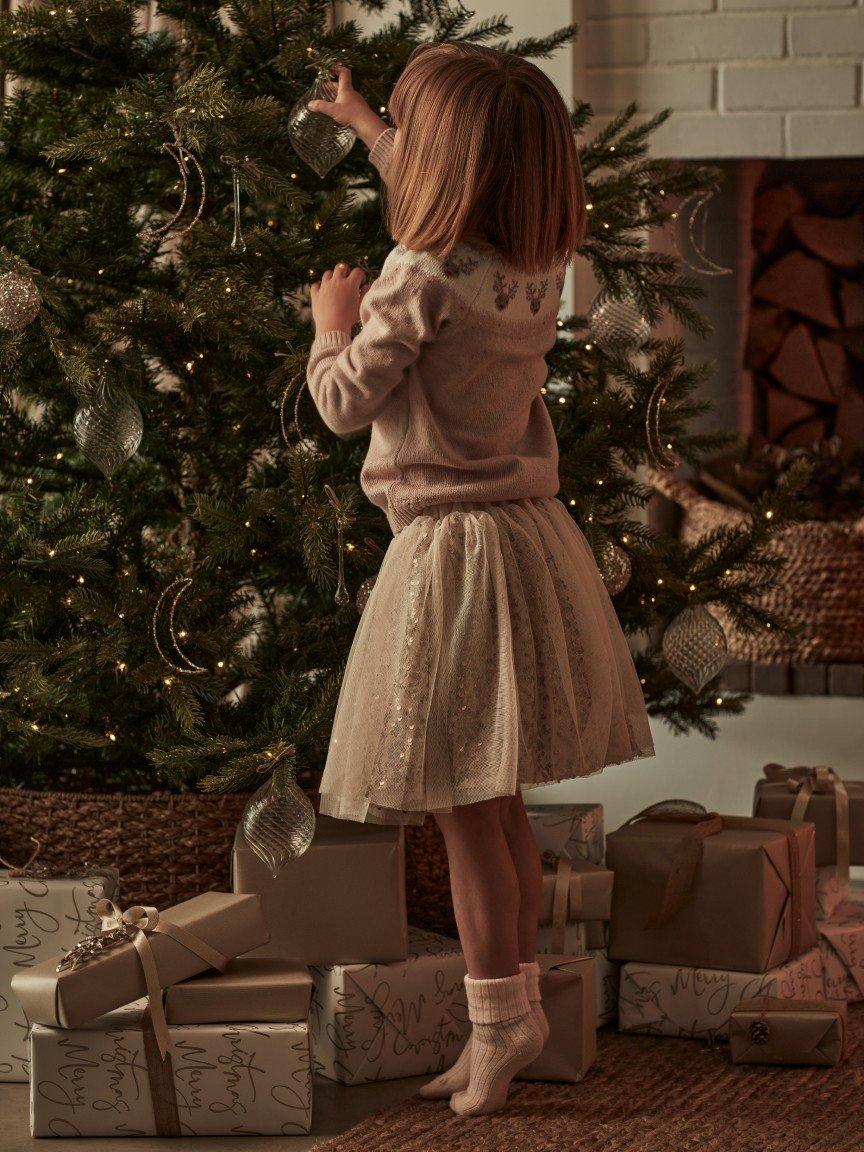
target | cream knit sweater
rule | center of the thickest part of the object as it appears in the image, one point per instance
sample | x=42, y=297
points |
x=447, y=369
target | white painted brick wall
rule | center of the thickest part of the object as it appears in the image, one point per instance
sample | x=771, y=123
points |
x=743, y=77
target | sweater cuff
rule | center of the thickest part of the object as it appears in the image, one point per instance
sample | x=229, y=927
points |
x=332, y=338
x=382, y=150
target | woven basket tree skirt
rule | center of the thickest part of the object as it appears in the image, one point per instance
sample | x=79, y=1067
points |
x=646, y=1094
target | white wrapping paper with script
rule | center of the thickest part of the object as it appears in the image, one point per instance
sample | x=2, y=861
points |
x=385, y=1021
x=830, y=891
x=841, y=942
x=571, y=830
x=575, y=943
x=230, y=1079
x=39, y=919
x=607, y=973
x=665, y=1000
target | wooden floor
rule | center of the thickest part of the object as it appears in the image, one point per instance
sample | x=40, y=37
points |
x=336, y=1109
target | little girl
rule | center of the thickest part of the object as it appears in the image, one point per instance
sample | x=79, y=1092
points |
x=488, y=656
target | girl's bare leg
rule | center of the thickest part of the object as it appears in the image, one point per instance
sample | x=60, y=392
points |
x=485, y=888
x=526, y=862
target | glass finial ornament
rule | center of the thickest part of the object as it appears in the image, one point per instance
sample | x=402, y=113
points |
x=19, y=301
x=363, y=593
x=108, y=429
x=238, y=244
x=695, y=647
x=615, y=567
x=278, y=823
x=618, y=325
x=316, y=137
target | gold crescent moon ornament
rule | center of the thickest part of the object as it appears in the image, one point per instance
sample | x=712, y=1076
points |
x=189, y=667
x=661, y=455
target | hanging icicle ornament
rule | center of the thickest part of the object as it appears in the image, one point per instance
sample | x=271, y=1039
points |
x=618, y=326
x=341, y=595
x=695, y=647
x=19, y=301
x=108, y=429
x=171, y=596
x=279, y=821
x=660, y=453
x=363, y=593
x=317, y=138
x=183, y=158
x=615, y=567
x=693, y=209
x=238, y=242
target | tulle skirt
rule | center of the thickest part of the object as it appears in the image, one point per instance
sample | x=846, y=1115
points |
x=488, y=657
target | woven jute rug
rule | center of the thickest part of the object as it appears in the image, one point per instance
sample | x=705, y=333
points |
x=645, y=1094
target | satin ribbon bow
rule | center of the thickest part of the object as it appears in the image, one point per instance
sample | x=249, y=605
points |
x=137, y=924
x=821, y=780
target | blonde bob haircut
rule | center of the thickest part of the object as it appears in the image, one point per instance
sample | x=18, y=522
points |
x=484, y=153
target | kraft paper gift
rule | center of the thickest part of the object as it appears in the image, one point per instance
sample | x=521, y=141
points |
x=571, y=830
x=766, y=1030
x=607, y=974
x=251, y=990
x=696, y=1003
x=841, y=942
x=574, y=895
x=385, y=1021
x=157, y=950
x=105, y=1078
x=706, y=891
x=342, y=901
x=818, y=795
x=40, y=917
x=568, y=987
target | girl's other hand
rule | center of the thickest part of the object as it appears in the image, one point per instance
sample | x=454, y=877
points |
x=336, y=298
x=347, y=105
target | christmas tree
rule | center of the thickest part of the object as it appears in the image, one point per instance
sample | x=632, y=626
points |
x=178, y=613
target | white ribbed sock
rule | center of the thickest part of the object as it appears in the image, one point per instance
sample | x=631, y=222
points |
x=505, y=1039
x=455, y=1078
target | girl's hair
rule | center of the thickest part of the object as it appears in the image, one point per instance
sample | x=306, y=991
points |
x=485, y=153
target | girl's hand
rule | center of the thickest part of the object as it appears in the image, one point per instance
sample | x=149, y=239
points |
x=347, y=104
x=336, y=298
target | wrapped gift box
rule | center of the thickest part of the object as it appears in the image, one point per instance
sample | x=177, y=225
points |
x=575, y=901
x=104, y=1078
x=571, y=830
x=721, y=892
x=841, y=941
x=831, y=890
x=766, y=1030
x=342, y=901
x=266, y=991
x=696, y=1003
x=40, y=918
x=606, y=973
x=385, y=1021
x=229, y=924
x=811, y=794
x=568, y=987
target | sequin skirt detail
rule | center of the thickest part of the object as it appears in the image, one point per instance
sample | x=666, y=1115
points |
x=488, y=657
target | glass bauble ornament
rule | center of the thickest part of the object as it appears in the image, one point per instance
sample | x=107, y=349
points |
x=19, y=301
x=615, y=567
x=316, y=137
x=108, y=430
x=363, y=593
x=278, y=823
x=695, y=647
x=618, y=325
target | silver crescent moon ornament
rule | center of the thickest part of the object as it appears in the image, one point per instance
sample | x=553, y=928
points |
x=189, y=667
x=699, y=202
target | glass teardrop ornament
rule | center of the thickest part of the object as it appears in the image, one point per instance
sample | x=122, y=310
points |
x=316, y=137
x=695, y=647
x=278, y=824
x=618, y=325
x=108, y=429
